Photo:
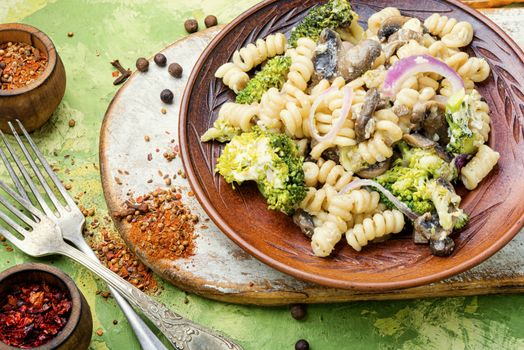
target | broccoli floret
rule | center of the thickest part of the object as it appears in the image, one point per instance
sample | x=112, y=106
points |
x=446, y=203
x=272, y=74
x=409, y=176
x=335, y=14
x=222, y=131
x=459, y=113
x=272, y=160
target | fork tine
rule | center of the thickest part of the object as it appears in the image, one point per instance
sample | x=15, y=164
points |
x=12, y=174
x=27, y=178
x=47, y=167
x=22, y=201
x=11, y=238
x=37, y=172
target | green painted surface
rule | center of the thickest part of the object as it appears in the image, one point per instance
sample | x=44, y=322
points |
x=126, y=29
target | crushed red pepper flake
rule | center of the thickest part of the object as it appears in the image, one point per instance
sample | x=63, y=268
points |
x=33, y=314
x=162, y=226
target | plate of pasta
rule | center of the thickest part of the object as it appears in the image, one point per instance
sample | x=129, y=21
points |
x=359, y=144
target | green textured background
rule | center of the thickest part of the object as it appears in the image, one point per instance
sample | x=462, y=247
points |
x=126, y=29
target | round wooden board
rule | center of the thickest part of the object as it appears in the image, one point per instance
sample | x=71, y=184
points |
x=219, y=269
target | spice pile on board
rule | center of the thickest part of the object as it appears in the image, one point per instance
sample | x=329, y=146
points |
x=113, y=253
x=33, y=314
x=162, y=227
x=20, y=65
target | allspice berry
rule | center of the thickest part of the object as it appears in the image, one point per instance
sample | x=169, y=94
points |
x=210, y=21
x=167, y=96
x=175, y=70
x=142, y=64
x=191, y=25
x=298, y=311
x=160, y=60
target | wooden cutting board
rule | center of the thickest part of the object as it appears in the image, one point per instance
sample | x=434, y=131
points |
x=219, y=269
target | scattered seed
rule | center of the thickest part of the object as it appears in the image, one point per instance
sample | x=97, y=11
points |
x=191, y=25
x=160, y=60
x=99, y=332
x=142, y=64
x=167, y=96
x=72, y=123
x=115, y=322
x=147, y=138
x=210, y=21
x=70, y=34
x=68, y=186
x=163, y=111
x=175, y=70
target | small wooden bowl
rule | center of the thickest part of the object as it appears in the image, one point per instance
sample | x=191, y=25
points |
x=34, y=103
x=77, y=332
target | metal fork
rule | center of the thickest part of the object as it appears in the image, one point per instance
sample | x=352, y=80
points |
x=71, y=223
x=44, y=237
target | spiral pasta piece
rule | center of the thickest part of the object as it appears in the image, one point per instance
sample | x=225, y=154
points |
x=271, y=104
x=325, y=238
x=376, y=19
x=314, y=200
x=239, y=115
x=301, y=68
x=381, y=224
x=326, y=172
x=252, y=55
x=479, y=167
x=232, y=76
x=439, y=25
x=480, y=123
x=354, y=202
x=378, y=148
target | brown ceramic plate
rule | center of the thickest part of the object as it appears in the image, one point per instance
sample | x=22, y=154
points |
x=496, y=206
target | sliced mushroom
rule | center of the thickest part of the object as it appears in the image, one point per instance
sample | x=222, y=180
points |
x=390, y=26
x=354, y=62
x=406, y=35
x=391, y=48
x=305, y=222
x=375, y=170
x=326, y=55
x=443, y=154
x=364, y=123
x=434, y=125
x=331, y=154
x=442, y=247
x=426, y=228
x=417, y=140
x=430, y=118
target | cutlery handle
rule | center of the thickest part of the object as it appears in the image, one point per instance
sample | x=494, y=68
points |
x=182, y=333
x=144, y=335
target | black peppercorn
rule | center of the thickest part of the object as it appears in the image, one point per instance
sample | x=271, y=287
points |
x=142, y=64
x=167, y=96
x=191, y=25
x=175, y=70
x=302, y=345
x=160, y=60
x=210, y=21
x=298, y=311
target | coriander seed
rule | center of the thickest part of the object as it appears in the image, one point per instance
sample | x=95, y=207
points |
x=298, y=311
x=210, y=21
x=175, y=70
x=142, y=64
x=191, y=25
x=160, y=60
x=167, y=96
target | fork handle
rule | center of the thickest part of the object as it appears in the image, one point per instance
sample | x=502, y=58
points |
x=144, y=335
x=182, y=333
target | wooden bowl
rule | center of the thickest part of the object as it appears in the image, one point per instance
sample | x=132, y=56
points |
x=496, y=206
x=35, y=103
x=78, y=330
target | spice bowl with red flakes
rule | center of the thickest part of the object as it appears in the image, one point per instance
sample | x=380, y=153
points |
x=32, y=76
x=42, y=308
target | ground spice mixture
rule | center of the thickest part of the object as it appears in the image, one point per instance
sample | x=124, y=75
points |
x=116, y=256
x=20, y=65
x=162, y=227
x=33, y=314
